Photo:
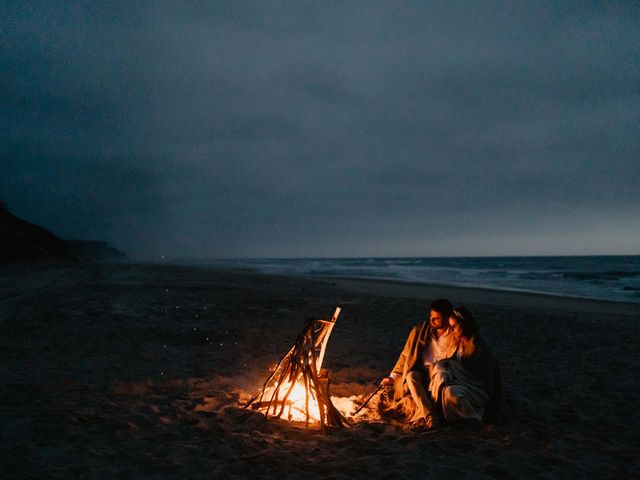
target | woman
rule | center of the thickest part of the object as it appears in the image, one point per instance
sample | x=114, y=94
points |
x=468, y=385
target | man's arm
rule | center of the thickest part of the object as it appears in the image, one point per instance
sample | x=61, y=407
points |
x=398, y=368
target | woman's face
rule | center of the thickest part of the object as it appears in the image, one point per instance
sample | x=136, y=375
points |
x=456, y=328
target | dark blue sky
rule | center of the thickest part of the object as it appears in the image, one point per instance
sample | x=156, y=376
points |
x=216, y=129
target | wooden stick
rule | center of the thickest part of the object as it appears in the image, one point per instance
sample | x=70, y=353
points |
x=367, y=401
x=325, y=338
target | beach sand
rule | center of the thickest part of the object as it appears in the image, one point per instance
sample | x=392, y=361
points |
x=127, y=371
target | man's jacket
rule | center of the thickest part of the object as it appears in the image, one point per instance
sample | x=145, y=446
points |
x=411, y=356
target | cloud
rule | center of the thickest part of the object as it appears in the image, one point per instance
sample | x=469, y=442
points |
x=216, y=129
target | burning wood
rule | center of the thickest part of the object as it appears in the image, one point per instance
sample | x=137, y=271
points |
x=298, y=385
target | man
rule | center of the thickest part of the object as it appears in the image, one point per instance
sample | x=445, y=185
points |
x=469, y=385
x=427, y=343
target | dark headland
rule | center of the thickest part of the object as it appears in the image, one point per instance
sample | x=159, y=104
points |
x=25, y=242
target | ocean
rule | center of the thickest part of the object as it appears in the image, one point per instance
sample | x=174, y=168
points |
x=614, y=278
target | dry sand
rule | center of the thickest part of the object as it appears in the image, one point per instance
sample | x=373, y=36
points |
x=128, y=371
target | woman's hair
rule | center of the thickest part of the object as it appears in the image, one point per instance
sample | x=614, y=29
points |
x=467, y=322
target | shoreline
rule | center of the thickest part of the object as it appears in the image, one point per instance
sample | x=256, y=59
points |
x=480, y=295
x=605, y=277
x=425, y=290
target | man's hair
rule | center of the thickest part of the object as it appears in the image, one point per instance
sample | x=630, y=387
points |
x=443, y=306
x=467, y=322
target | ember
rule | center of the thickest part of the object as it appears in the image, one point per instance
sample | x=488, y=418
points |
x=298, y=387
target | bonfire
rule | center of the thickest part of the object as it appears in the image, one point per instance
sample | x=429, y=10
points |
x=298, y=388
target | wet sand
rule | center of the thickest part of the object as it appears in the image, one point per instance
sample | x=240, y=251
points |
x=124, y=371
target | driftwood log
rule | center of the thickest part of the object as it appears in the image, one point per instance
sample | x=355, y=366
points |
x=302, y=364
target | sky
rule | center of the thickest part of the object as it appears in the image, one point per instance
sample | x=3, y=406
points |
x=204, y=129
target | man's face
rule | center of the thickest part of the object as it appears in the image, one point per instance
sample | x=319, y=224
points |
x=436, y=320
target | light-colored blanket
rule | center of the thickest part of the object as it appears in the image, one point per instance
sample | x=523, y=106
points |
x=463, y=394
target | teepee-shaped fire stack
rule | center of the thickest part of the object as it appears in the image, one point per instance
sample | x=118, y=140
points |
x=298, y=387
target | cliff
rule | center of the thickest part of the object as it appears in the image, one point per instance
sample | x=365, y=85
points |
x=22, y=241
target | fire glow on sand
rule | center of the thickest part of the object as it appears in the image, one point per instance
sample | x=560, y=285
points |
x=298, y=388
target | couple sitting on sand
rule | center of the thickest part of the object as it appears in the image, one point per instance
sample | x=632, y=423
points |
x=445, y=372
